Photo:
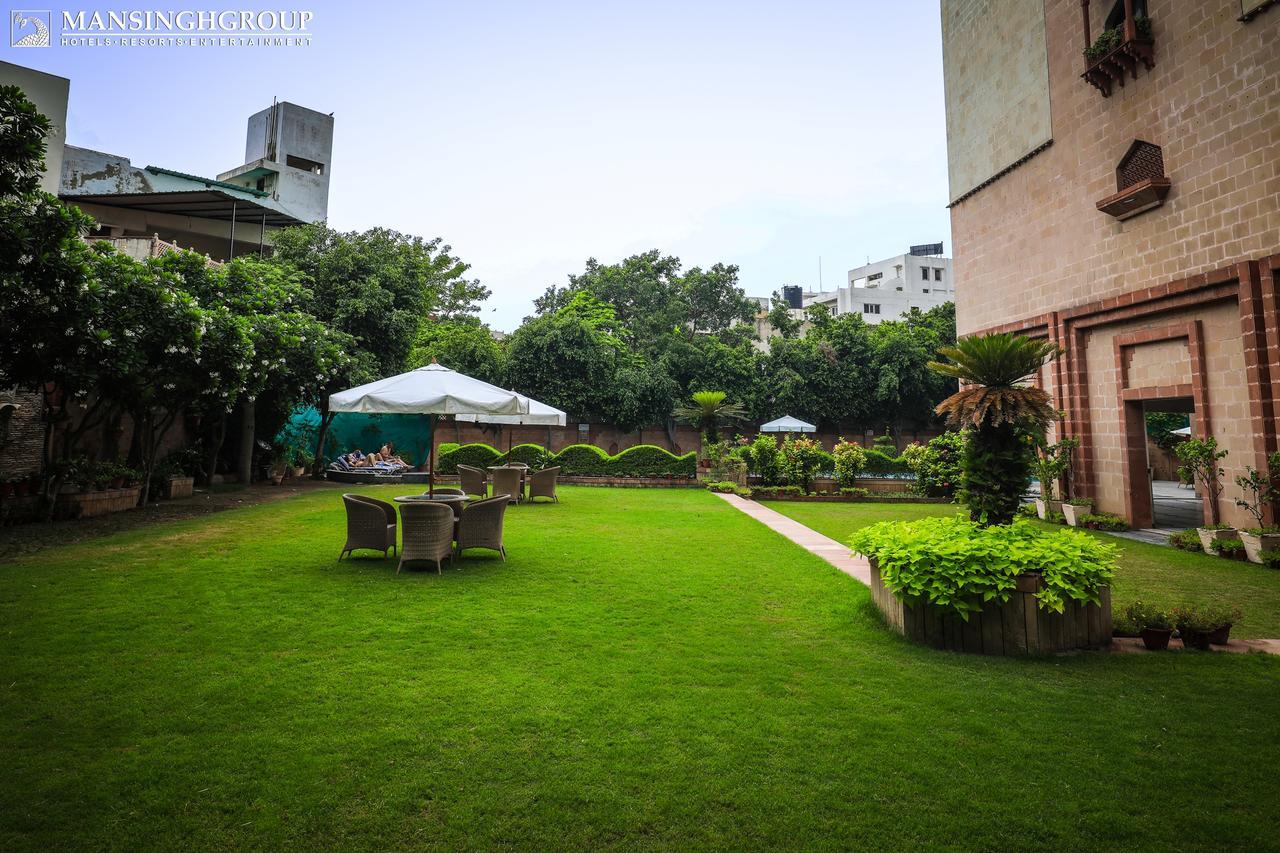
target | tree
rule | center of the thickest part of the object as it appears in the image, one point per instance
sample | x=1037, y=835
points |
x=1001, y=410
x=463, y=344
x=708, y=411
x=22, y=143
x=569, y=359
x=376, y=286
x=1201, y=462
x=780, y=317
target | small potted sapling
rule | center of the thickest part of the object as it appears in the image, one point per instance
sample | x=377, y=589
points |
x=1203, y=626
x=1200, y=460
x=1259, y=490
x=1052, y=462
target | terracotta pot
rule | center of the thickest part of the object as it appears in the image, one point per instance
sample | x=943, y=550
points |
x=1255, y=544
x=1074, y=513
x=117, y=482
x=1208, y=537
x=1156, y=639
x=1221, y=636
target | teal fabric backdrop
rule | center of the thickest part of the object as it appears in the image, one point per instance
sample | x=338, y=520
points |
x=411, y=434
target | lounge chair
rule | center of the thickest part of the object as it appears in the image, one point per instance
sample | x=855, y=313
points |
x=481, y=525
x=542, y=484
x=371, y=524
x=473, y=480
x=506, y=481
x=428, y=533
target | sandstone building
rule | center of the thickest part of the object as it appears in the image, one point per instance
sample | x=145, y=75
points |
x=1115, y=188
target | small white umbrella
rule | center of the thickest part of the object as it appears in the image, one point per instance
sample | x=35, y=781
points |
x=1186, y=430
x=788, y=424
x=432, y=390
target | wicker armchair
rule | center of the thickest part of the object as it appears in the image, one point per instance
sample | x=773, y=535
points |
x=371, y=524
x=473, y=480
x=542, y=484
x=428, y=533
x=481, y=525
x=446, y=490
x=506, y=481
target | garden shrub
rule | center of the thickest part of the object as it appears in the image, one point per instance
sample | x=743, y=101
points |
x=582, y=460
x=533, y=455
x=763, y=459
x=826, y=464
x=777, y=491
x=801, y=461
x=957, y=565
x=855, y=492
x=1186, y=540
x=849, y=458
x=1104, y=521
x=727, y=487
x=476, y=455
x=880, y=464
x=937, y=465
x=649, y=460
x=1228, y=547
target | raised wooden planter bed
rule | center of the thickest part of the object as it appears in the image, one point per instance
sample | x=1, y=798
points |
x=179, y=487
x=104, y=502
x=1017, y=627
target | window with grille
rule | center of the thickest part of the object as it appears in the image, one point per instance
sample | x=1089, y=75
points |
x=1142, y=162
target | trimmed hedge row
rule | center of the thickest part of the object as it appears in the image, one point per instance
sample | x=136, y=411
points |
x=881, y=464
x=581, y=460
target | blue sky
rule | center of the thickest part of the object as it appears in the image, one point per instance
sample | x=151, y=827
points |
x=531, y=136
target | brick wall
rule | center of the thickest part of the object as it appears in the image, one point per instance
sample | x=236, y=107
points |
x=22, y=434
x=1033, y=242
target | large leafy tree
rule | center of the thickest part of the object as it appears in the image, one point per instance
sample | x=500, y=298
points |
x=1002, y=410
x=709, y=411
x=463, y=344
x=376, y=286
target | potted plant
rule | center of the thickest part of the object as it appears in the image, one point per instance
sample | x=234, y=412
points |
x=1076, y=509
x=1200, y=458
x=1153, y=625
x=280, y=463
x=1222, y=618
x=1259, y=490
x=1231, y=549
x=1051, y=463
x=1195, y=625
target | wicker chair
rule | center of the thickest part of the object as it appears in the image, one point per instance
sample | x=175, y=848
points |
x=473, y=480
x=371, y=524
x=446, y=490
x=506, y=481
x=542, y=484
x=481, y=525
x=428, y=533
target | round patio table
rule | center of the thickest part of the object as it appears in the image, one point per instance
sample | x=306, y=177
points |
x=454, y=501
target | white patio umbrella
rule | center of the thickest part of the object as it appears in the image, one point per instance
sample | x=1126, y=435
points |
x=432, y=390
x=788, y=424
x=1186, y=430
x=540, y=414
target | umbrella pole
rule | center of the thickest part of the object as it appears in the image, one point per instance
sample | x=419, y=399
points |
x=431, y=460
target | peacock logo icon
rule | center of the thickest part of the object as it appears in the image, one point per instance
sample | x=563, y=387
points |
x=28, y=28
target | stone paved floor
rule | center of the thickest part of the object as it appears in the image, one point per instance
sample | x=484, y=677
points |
x=812, y=541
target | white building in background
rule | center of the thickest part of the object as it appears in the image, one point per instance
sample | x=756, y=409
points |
x=885, y=290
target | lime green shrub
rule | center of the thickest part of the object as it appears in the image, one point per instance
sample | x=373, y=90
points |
x=958, y=565
x=848, y=458
x=533, y=455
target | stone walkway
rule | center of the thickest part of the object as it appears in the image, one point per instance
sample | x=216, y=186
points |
x=812, y=541
x=856, y=567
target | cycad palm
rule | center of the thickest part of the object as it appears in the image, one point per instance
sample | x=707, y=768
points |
x=708, y=411
x=997, y=404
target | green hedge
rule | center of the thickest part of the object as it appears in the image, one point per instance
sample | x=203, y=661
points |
x=649, y=460
x=644, y=460
x=476, y=455
x=880, y=464
x=582, y=460
x=533, y=455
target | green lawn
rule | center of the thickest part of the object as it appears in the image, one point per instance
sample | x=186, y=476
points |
x=1151, y=573
x=650, y=668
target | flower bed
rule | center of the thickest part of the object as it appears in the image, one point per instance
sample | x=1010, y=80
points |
x=1003, y=590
